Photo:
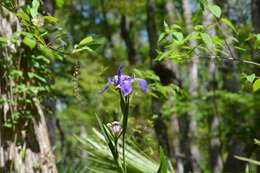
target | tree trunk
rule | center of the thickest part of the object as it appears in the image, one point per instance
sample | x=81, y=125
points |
x=255, y=13
x=193, y=86
x=125, y=33
x=216, y=162
x=25, y=145
x=236, y=145
x=175, y=130
x=159, y=125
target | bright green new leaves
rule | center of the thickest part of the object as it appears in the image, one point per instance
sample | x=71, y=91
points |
x=250, y=78
x=206, y=39
x=83, y=45
x=179, y=37
x=85, y=41
x=229, y=24
x=50, y=19
x=35, y=7
x=59, y=3
x=256, y=85
x=29, y=41
x=215, y=10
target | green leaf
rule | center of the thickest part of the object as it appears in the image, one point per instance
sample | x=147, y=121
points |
x=228, y=23
x=35, y=7
x=215, y=10
x=29, y=41
x=258, y=37
x=59, y=3
x=45, y=50
x=255, y=162
x=250, y=78
x=256, y=85
x=257, y=142
x=162, y=35
x=240, y=48
x=32, y=75
x=163, y=162
x=3, y=40
x=206, y=39
x=107, y=138
x=85, y=41
x=50, y=19
x=82, y=49
x=23, y=16
x=16, y=73
x=43, y=58
x=199, y=27
x=178, y=36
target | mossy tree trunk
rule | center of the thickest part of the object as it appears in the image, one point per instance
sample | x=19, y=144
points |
x=24, y=140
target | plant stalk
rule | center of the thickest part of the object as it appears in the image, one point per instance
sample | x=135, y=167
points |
x=125, y=110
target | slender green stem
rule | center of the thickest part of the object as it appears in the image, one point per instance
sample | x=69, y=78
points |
x=125, y=108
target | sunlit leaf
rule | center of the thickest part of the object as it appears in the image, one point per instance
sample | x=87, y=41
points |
x=251, y=78
x=21, y=14
x=35, y=7
x=228, y=23
x=59, y=3
x=29, y=41
x=215, y=10
x=256, y=85
x=85, y=41
x=50, y=19
x=206, y=39
x=257, y=142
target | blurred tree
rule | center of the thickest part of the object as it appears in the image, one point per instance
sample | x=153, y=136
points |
x=193, y=91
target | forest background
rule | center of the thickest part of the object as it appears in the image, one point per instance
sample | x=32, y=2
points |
x=200, y=59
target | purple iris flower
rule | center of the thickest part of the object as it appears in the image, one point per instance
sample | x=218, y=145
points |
x=124, y=82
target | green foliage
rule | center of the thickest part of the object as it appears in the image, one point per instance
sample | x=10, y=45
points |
x=101, y=158
x=251, y=78
x=215, y=10
x=207, y=39
x=31, y=76
x=35, y=7
x=256, y=85
x=163, y=162
x=52, y=56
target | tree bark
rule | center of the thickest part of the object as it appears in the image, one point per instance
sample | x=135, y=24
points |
x=159, y=125
x=176, y=135
x=193, y=86
x=216, y=161
x=236, y=145
x=25, y=146
x=255, y=13
x=125, y=33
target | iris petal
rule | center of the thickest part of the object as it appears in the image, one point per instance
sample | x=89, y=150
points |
x=119, y=73
x=142, y=84
x=104, y=89
x=126, y=87
x=110, y=81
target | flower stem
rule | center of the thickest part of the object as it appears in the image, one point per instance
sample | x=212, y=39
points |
x=125, y=109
